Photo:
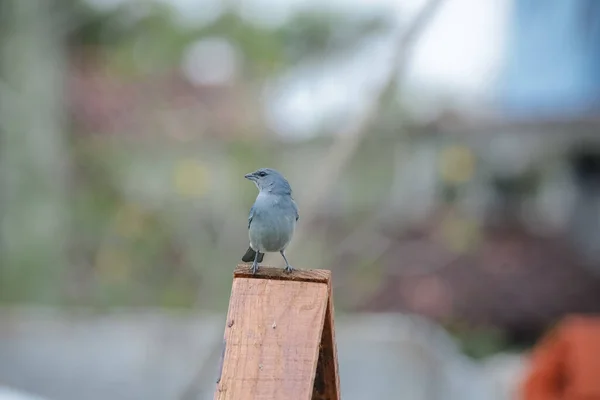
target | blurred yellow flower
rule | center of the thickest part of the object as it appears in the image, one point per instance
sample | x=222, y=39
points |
x=459, y=234
x=457, y=164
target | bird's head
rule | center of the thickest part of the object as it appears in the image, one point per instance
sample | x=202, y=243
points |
x=269, y=180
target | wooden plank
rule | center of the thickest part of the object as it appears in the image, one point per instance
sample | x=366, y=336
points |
x=303, y=275
x=327, y=378
x=273, y=334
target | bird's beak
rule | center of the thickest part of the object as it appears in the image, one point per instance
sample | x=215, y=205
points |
x=250, y=177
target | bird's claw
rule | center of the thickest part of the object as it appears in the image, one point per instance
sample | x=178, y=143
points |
x=288, y=269
x=254, y=269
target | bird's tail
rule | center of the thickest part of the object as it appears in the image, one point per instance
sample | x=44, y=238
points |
x=250, y=254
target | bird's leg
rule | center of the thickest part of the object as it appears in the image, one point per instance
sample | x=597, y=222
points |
x=288, y=267
x=255, y=263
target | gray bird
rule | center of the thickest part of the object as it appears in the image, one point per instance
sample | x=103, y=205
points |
x=272, y=218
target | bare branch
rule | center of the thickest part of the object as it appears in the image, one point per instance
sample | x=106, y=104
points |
x=350, y=137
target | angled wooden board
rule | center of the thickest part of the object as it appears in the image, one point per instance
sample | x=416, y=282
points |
x=327, y=378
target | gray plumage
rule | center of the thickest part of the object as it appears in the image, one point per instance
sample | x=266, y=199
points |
x=272, y=218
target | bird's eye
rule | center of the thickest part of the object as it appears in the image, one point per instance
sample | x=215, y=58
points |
x=262, y=173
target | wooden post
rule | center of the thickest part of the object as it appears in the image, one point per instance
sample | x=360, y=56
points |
x=279, y=337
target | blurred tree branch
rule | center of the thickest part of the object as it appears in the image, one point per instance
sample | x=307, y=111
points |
x=350, y=137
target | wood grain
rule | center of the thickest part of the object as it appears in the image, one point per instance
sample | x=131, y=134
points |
x=273, y=334
x=301, y=275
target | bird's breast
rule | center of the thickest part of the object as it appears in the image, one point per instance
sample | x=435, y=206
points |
x=271, y=230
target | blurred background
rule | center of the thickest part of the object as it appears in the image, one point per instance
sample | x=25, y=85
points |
x=444, y=156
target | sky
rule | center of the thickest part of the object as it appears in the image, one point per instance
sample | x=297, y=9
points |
x=456, y=61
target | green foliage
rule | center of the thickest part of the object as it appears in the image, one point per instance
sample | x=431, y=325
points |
x=126, y=247
x=312, y=35
x=478, y=342
x=153, y=40
x=90, y=27
x=261, y=49
x=126, y=252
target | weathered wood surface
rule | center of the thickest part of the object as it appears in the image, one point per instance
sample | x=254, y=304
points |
x=303, y=275
x=279, y=337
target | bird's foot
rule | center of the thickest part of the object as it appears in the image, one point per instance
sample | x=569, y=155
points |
x=288, y=269
x=254, y=268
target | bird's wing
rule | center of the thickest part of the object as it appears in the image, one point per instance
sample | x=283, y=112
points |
x=250, y=216
x=295, y=207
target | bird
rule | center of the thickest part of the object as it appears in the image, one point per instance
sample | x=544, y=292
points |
x=272, y=219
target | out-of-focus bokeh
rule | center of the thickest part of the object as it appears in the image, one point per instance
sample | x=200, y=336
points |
x=444, y=155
